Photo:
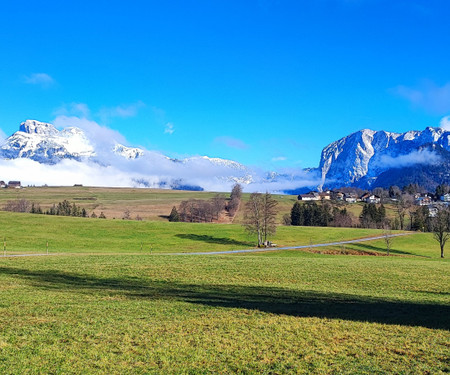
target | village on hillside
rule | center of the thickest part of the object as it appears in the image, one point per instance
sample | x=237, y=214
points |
x=379, y=195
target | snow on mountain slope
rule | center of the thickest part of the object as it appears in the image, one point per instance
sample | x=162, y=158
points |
x=360, y=157
x=128, y=152
x=44, y=143
x=228, y=170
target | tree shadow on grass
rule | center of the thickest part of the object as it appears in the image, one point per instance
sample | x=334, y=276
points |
x=214, y=240
x=265, y=299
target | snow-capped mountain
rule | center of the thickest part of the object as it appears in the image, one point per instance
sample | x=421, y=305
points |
x=361, y=157
x=44, y=143
x=240, y=173
x=128, y=152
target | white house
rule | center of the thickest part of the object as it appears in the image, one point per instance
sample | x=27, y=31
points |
x=371, y=198
x=350, y=198
x=311, y=196
x=445, y=197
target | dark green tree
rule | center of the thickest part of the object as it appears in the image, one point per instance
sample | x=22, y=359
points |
x=297, y=214
x=174, y=217
x=442, y=189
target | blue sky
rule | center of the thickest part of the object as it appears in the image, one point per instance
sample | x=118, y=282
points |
x=266, y=83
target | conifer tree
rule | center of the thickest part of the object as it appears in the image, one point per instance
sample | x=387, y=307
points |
x=174, y=217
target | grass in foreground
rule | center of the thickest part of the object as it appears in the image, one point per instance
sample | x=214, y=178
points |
x=121, y=314
x=120, y=310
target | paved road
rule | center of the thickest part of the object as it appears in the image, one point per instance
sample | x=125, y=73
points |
x=293, y=247
x=23, y=255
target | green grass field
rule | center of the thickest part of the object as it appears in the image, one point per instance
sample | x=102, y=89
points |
x=103, y=305
x=30, y=233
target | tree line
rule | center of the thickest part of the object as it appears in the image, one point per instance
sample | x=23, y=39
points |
x=64, y=208
x=206, y=211
x=319, y=215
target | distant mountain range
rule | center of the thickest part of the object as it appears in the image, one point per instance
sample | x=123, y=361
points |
x=364, y=159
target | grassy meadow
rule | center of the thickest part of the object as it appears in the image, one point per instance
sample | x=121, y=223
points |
x=100, y=304
x=150, y=204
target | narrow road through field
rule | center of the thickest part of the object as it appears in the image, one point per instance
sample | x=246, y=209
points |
x=24, y=255
x=294, y=247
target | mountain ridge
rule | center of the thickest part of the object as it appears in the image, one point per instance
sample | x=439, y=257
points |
x=357, y=159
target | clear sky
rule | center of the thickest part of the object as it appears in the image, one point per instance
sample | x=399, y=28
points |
x=266, y=83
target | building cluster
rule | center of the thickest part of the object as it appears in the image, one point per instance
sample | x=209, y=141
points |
x=432, y=202
x=10, y=184
x=420, y=199
x=339, y=196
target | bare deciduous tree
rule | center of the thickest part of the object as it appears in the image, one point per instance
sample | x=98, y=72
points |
x=401, y=208
x=260, y=216
x=218, y=205
x=388, y=239
x=269, y=215
x=441, y=227
x=126, y=215
x=18, y=205
x=236, y=192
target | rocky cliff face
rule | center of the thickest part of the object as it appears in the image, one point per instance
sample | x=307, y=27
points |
x=361, y=157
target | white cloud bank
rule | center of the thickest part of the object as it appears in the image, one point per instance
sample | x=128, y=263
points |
x=153, y=170
x=445, y=123
x=416, y=157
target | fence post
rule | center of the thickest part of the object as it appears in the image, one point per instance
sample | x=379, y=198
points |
x=4, y=246
x=47, y=247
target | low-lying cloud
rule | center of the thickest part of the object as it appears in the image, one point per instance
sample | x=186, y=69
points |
x=153, y=171
x=416, y=157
